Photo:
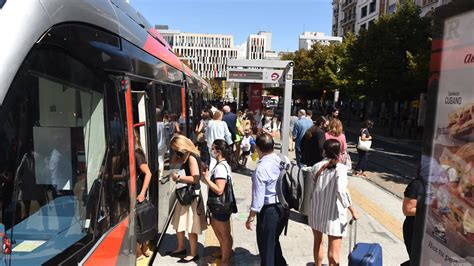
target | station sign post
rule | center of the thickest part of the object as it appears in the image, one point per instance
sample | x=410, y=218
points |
x=258, y=72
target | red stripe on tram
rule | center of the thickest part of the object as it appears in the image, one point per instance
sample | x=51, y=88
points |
x=108, y=251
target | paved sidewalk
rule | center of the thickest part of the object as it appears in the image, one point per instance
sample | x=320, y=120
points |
x=380, y=221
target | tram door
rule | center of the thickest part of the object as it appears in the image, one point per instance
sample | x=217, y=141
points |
x=144, y=139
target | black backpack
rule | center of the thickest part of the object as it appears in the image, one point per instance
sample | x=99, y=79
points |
x=289, y=185
x=146, y=223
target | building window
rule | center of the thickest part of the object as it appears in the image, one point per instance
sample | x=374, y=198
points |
x=428, y=2
x=363, y=12
x=372, y=6
x=363, y=26
x=371, y=23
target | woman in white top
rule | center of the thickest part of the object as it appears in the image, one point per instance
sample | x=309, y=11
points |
x=268, y=124
x=329, y=203
x=217, y=181
x=216, y=129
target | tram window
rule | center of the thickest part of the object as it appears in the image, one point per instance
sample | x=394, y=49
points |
x=53, y=131
x=117, y=177
x=171, y=100
x=169, y=108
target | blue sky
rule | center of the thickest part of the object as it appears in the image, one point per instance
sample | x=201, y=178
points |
x=286, y=19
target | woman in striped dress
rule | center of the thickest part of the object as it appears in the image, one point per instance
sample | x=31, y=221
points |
x=329, y=203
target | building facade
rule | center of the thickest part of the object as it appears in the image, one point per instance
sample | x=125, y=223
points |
x=259, y=46
x=336, y=9
x=428, y=6
x=307, y=39
x=354, y=15
x=348, y=20
x=256, y=47
x=207, y=54
x=366, y=13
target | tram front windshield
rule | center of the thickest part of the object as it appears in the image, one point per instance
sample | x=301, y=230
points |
x=52, y=150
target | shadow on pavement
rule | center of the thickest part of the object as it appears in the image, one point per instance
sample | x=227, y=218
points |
x=169, y=243
x=243, y=256
x=244, y=171
x=394, y=178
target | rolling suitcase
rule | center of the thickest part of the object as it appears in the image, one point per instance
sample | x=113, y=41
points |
x=363, y=253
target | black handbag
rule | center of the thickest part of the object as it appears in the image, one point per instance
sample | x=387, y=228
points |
x=225, y=203
x=186, y=194
x=146, y=224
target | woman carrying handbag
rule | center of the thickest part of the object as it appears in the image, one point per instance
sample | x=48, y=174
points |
x=221, y=201
x=189, y=213
x=144, y=175
x=363, y=147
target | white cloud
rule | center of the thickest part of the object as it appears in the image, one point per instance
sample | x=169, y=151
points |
x=241, y=50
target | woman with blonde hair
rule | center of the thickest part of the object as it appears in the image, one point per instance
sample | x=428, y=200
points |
x=335, y=132
x=190, y=218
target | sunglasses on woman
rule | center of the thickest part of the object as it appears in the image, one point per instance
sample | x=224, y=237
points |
x=180, y=154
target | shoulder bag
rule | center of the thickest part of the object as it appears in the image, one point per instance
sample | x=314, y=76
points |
x=346, y=160
x=186, y=194
x=364, y=145
x=225, y=203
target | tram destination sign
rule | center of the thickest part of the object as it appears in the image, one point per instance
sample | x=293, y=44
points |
x=246, y=75
x=270, y=76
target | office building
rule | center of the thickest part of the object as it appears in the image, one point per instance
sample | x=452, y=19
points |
x=256, y=47
x=259, y=46
x=207, y=54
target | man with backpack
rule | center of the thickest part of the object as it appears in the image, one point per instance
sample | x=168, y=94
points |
x=270, y=214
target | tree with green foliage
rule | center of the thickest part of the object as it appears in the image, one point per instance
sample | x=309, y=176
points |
x=216, y=89
x=391, y=58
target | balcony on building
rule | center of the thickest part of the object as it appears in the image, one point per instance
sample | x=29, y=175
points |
x=348, y=20
x=348, y=3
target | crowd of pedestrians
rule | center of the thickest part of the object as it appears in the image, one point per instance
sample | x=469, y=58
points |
x=224, y=138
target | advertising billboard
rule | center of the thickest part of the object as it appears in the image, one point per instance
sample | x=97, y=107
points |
x=448, y=231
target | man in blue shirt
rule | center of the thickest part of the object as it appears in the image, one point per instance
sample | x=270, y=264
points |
x=271, y=216
x=231, y=120
x=299, y=129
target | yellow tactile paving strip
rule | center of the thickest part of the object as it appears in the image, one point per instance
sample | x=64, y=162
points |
x=144, y=261
x=388, y=221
